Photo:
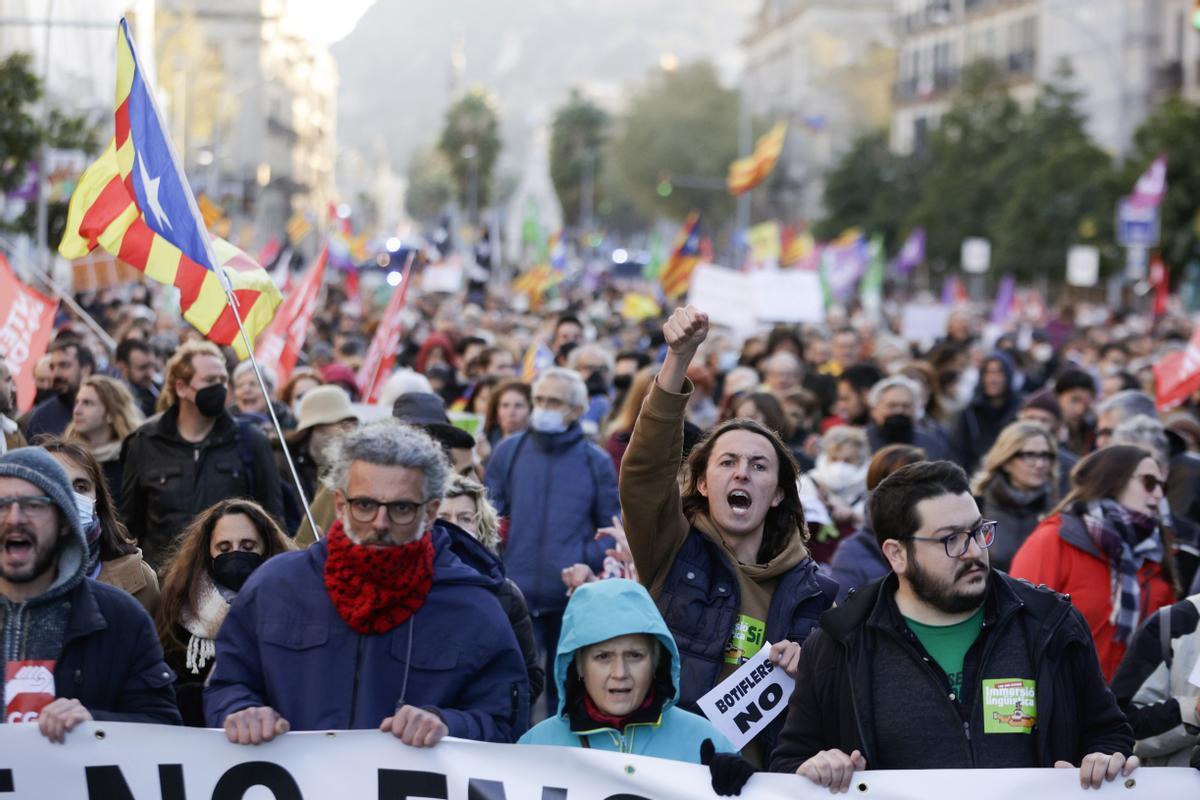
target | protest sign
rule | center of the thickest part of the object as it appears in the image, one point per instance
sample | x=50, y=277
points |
x=748, y=700
x=747, y=302
x=924, y=324
x=26, y=324
x=126, y=761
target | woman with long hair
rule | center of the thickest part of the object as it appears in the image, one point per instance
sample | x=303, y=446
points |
x=507, y=411
x=1104, y=545
x=1017, y=484
x=115, y=557
x=215, y=555
x=105, y=414
x=621, y=428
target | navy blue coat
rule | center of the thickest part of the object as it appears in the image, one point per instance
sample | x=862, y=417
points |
x=284, y=645
x=857, y=561
x=556, y=490
x=111, y=660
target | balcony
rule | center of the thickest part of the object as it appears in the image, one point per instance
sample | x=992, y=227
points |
x=936, y=13
x=916, y=90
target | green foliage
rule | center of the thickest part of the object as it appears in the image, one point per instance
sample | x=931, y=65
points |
x=470, y=141
x=870, y=188
x=576, y=140
x=430, y=185
x=680, y=125
x=20, y=133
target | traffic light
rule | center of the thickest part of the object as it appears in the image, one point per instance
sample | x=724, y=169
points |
x=665, y=188
x=1196, y=14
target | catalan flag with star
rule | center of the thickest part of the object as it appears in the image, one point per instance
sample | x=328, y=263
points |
x=135, y=203
x=676, y=276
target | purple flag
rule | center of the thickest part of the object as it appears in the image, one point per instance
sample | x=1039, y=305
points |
x=845, y=262
x=1151, y=188
x=912, y=254
x=1005, y=294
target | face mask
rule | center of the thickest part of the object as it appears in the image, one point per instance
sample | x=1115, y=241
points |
x=210, y=401
x=88, y=520
x=622, y=382
x=544, y=420
x=596, y=385
x=847, y=481
x=727, y=360
x=232, y=569
x=897, y=429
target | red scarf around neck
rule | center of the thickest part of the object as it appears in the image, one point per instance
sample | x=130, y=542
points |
x=375, y=589
x=608, y=720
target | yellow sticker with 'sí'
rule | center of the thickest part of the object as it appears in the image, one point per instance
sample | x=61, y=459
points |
x=1009, y=705
x=746, y=640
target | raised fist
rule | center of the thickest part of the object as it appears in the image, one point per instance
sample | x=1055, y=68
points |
x=686, y=328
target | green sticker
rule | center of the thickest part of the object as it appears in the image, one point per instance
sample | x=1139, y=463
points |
x=746, y=640
x=1009, y=705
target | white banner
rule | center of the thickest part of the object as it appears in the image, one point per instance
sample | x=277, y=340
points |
x=122, y=761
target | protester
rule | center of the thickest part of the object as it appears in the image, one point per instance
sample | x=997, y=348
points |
x=217, y=552
x=725, y=560
x=834, y=491
x=948, y=629
x=556, y=488
x=10, y=433
x=466, y=506
x=70, y=363
x=113, y=557
x=398, y=632
x=99, y=643
x=249, y=400
x=853, y=388
x=1016, y=485
x=427, y=411
x=136, y=363
x=893, y=407
x=192, y=455
x=302, y=381
x=1117, y=408
x=859, y=560
x=105, y=415
x=1076, y=393
x=324, y=414
x=993, y=406
x=1154, y=685
x=1103, y=546
x=1043, y=407
x=508, y=411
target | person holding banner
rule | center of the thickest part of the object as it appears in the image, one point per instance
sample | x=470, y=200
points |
x=946, y=663
x=725, y=561
x=10, y=433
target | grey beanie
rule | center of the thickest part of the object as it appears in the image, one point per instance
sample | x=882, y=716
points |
x=35, y=465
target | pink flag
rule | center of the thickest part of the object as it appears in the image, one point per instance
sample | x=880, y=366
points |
x=1177, y=375
x=382, y=353
x=26, y=324
x=1151, y=188
x=279, y=345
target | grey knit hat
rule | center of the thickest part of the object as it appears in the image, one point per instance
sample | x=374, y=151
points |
x=35, y=465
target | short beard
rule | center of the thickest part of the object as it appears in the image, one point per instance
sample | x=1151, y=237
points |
x=943, y=597
x=43, y=563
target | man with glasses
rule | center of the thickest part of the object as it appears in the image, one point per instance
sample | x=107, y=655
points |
x=378, y=625
x=74, y=650
x=946, y=664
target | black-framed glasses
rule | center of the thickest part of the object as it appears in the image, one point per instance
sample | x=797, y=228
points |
x=399, y=512
x=29, y=504
x=1152, y=482
x=956, y=543
x=1035, y=455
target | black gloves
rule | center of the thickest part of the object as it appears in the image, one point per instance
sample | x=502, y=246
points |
x=729, y=771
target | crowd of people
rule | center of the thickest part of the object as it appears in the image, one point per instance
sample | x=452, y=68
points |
x=566, y=528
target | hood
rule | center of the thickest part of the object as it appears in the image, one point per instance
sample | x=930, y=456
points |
x=440, y=341
x=470, y=552
x=604, y=610
x=1006, y=364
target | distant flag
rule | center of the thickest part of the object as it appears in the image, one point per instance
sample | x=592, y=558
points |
x=676, y=276
x=537, y=358
x=843, y=262
x=270, y=251
x=870, y=291
x=210, y=211
x=281, y=343
x=135, y=203
x=1177, y=374
x=912, y=254
x=638, y=307
x=1006, y=294
x=1151, y=187
x=953, y=291
x=1160, y=279
x=798, y=249
x=297, y=228
x=557, y=255
x=746, y=173
x=381, y=355
x=657, y=258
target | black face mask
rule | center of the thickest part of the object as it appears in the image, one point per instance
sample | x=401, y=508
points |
x=210, y=401
x=622, y=382
x=897, y=429
x=232, y=569
x=596, y=385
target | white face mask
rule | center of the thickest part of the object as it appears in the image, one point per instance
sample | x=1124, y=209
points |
x=847, y=481
x=544, y=420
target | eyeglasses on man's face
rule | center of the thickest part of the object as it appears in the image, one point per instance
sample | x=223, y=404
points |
x=957, y=543
x=399, y=512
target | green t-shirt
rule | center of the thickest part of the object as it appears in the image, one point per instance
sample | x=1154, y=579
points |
x=948, y=644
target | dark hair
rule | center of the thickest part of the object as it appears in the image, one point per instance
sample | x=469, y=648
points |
x=567, y=319
x=861, y=377
x=784, y=520
x=891, y=458
x=642, y=359
x=893, y=503
x=772, y=410
x=467, y=341
x=191, y=559
x=781, y=334
x=486, y=382
x=115, y=540
x=1073, y=378
x=1111, y=346
x=128, y=346
x=82, y=354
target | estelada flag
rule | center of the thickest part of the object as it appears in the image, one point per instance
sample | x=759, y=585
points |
x=748, y=172
x=676, y=276
x=135, y=203
x=281, y=343
x=26, y=324
x=1177, y=375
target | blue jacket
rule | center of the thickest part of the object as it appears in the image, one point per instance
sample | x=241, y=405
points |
x=284, y=645
x=556, y=490
x=599, y=612
x=857, y=562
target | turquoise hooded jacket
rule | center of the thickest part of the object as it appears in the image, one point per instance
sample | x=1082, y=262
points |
x=596, y=613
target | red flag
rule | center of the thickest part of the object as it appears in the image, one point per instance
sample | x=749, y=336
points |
x=382, y=353
x=1160, y=279
x=279, y=345
x=26, y=323
x=1177, y=375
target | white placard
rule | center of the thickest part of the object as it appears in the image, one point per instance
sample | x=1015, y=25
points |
x=725, y=296
x=790, y=296
x=445, y=277
x=924, y=324
x=748, y=302
x=1083, y=265
x=976, y=255
x=748, y=700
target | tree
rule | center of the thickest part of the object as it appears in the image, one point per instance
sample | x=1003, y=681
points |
x=675, y=145
x=430, y=185
x=470, y=142
x=1171, y=129
x=871, y=188
x=576, y=138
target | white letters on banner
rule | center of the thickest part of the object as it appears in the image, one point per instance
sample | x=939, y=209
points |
x=748, y=700
x=123, y=761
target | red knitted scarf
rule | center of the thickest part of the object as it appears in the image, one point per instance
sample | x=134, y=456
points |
x=376, y=589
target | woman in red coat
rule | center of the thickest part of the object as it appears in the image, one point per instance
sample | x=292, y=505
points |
x=1103, y=546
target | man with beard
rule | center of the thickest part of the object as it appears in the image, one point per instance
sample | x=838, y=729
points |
x=74, y=649
x=991, y=671
x=10, y=433
x=70, y=363
x=893, y=418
